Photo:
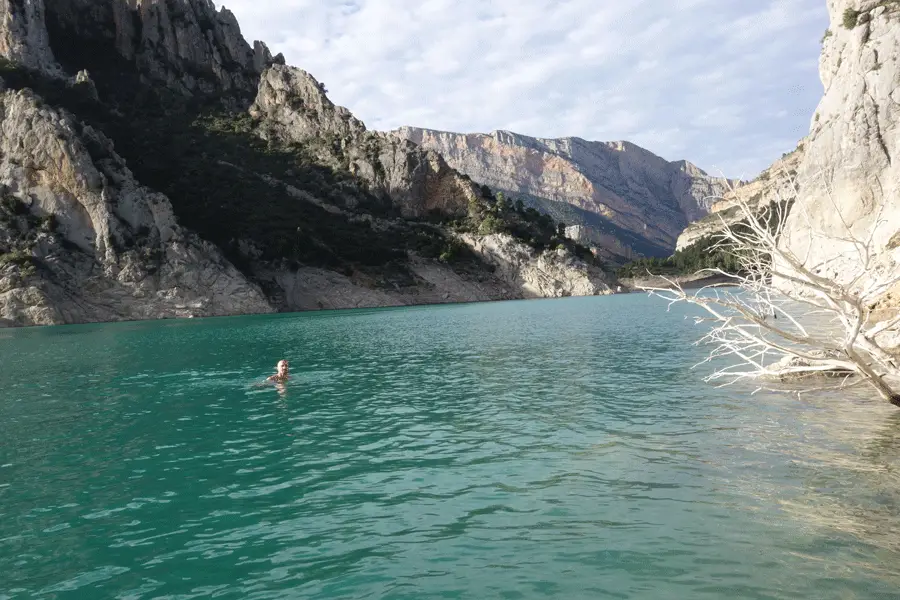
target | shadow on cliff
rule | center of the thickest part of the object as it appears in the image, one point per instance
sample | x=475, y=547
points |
x=255, y=200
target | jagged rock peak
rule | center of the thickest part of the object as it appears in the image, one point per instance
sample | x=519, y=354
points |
x=188, y=45
x=296, y=100
x=263, y=58
x=295, y=108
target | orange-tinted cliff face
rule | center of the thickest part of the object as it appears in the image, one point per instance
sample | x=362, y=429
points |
x=617, y=189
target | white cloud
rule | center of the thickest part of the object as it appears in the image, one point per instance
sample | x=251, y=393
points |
x=726, y=84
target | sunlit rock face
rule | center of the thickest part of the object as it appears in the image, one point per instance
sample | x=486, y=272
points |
x=777, y=184
x=850, y=172
x=617, y=183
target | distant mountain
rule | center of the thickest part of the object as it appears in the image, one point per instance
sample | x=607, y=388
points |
x=626, y=200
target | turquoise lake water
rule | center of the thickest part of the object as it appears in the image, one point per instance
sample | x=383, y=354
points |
x=541, y=449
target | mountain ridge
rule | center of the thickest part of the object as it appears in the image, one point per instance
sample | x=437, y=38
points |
x=624, y=184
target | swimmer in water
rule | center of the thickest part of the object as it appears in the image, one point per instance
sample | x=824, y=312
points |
x=282, y=374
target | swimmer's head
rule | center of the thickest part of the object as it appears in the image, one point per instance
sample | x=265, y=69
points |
x=282, y=367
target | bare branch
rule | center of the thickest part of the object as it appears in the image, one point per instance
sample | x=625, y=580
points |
x=808, y=325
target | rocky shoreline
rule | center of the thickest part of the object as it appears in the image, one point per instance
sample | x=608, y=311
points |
x=634, y=284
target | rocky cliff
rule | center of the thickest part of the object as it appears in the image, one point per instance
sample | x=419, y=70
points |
x=850, y=172
x=294, y=109
x=81, y=240
x=154, y=164
x=23, y=35
x=626, y=199
x=185, y=45
x=776, y=184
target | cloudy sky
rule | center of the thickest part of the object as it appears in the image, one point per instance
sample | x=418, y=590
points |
x=727, y=84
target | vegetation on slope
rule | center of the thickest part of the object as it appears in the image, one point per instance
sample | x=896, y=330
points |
x=239, y=191
x=703, y=254
x=19, y=232
x=709, y=252
x=495, y=213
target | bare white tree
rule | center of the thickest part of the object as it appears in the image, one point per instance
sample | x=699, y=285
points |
x=786, y=320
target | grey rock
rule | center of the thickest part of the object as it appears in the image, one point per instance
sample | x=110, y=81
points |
x=117, y=251
x=518, y=272
x=549, y=274
x=114, y=249
x=776, y=184
x=606, y=245
x=620, y=182
x=23, y=35
x=850, y=172
x=186, y=45
x=294, y=108
x=83, y=81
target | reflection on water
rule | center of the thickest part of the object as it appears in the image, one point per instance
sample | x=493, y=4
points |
x=844, y=454
x=526, y=449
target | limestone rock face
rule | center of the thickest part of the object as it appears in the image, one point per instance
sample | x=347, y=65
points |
x=23, y=34
x=518, y=272
x=187, y=45
x=606, y=245
x=294, y=108
x=550, y=274
x=617, y=182
x=850, y=172
x=311, y=288
x=776, y=184
x=293, y=99
x=114, y=250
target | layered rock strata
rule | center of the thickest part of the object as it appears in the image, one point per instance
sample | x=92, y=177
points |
x=618, y=183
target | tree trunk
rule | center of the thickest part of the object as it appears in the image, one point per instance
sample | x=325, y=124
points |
x=874, y=378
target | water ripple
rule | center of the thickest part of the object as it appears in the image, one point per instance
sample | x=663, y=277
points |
x=516, y=450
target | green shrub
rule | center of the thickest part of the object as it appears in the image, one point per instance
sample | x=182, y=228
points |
x=851, y=18
x=452, y=250
x=13, y=206
x=21, y=259
x=491, y=224
x=705, y=253
x=49, y=223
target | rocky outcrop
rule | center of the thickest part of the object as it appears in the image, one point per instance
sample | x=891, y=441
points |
x=310, y=288
x=109, y=249
x=186, y=45
x=776, y=184
x=549, y=274
x=622, y=184
x=850, y=172
x=607, y=245
x=516, y=272
x=294, y=109
x=23, y=35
